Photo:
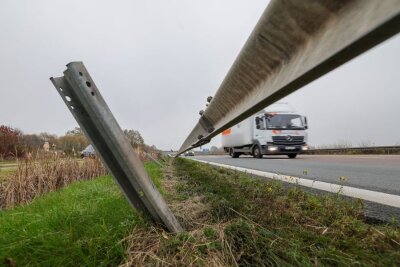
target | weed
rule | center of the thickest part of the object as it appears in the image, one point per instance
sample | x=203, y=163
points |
x=39, y=176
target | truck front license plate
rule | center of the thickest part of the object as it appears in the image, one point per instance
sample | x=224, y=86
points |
x=290, y=148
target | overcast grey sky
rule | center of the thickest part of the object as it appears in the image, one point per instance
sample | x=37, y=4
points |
x=155, y=62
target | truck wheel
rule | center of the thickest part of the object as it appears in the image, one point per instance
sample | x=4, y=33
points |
x=257, y=152
x=233, y=154
x=292, y=156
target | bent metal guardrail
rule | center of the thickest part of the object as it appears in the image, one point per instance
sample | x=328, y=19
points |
x=294, y=43
x=86, y=104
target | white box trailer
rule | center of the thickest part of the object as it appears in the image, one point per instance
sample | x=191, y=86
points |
x=277, y=130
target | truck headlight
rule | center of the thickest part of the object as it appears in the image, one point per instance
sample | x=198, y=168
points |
x=304, y=148
x=272, y=148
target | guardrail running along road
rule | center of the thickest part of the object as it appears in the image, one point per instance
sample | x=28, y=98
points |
x=294, y=43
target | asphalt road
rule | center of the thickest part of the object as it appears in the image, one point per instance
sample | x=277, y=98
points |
x=373, y=172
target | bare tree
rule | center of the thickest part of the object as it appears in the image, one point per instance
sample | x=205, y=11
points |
x=134, y=137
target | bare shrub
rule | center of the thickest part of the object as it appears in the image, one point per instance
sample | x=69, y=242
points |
x=38, y=176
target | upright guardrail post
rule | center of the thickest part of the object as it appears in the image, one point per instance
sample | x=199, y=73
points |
x=86, y=104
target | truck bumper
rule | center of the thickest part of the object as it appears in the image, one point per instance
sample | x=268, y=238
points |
x=284, y=149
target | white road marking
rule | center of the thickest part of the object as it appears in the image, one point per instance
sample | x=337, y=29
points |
x=306, y=156
x=369, y=195
x=353, y=157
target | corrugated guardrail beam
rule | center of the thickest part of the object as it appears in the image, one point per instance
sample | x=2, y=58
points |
x=86, y=104
x=294, y=43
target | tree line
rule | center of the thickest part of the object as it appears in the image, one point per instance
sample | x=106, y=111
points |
x=14, y=143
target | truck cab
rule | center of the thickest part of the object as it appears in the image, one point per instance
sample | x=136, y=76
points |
x=279, y=133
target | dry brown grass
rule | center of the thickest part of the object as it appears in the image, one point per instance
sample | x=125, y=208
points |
x=154, y=247
x=34, y=177
x=195, y=247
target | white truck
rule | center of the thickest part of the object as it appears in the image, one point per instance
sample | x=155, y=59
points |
x=277, y=130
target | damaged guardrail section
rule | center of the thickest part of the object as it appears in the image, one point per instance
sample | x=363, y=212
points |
x=294, y=43
x=86, y=104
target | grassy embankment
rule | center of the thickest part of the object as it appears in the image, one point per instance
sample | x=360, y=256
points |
x=230, y=219
x=80, y=225
x=233, y=219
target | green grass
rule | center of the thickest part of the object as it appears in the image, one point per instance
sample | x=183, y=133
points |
x=4, y=173
x=155, y=171
x=80, y=225
x=7, y=164
x=7, y=168
x=270, y=224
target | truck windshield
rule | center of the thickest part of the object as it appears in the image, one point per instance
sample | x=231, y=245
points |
x=284, y=122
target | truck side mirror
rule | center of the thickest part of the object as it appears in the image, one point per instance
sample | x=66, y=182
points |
x=305, y=122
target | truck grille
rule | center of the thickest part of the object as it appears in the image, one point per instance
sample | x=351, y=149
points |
x=284, y=140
